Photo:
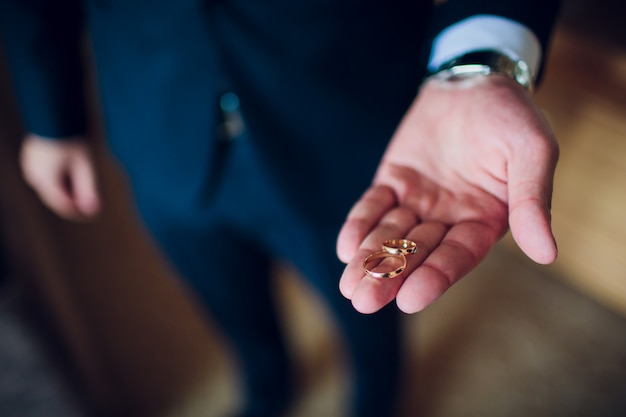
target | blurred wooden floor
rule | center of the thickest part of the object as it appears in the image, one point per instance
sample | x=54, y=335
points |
x=584, y=96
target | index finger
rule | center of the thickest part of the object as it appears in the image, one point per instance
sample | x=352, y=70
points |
x=363, y=216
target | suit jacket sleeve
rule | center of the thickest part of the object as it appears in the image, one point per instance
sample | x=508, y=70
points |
x=41, y=40
x=538, y=15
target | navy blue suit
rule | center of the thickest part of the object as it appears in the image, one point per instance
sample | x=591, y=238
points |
x=319, y=86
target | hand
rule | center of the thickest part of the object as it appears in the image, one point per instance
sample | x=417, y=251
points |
x=62, y=173
x=468, y=160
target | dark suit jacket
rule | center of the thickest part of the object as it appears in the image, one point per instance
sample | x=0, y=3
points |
x=321, y=84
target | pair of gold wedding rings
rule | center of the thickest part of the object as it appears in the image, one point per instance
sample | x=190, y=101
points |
x=397, y=249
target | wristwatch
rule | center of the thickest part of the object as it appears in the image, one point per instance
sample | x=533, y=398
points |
x=485, y=62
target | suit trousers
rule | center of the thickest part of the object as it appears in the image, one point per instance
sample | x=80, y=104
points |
x=224, y=248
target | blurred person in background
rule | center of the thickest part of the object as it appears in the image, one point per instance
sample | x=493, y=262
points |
x=249, y=130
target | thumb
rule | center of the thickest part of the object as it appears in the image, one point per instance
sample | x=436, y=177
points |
x=531, y=177
x=83, y=182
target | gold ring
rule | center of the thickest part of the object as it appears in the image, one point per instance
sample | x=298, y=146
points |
x=400, y=246
x=388, y=274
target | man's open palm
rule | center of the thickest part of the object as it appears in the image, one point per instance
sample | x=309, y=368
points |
x=469, y=160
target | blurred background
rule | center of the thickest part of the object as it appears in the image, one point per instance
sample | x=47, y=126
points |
x=93, y=323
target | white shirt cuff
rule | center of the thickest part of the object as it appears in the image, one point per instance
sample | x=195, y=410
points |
x=487, y=32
